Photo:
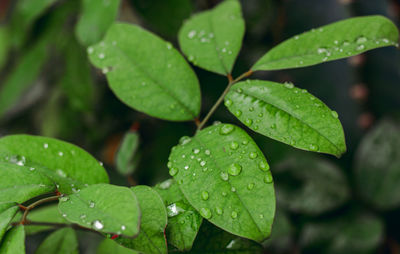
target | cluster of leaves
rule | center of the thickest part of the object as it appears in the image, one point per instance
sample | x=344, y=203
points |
x=219, y=174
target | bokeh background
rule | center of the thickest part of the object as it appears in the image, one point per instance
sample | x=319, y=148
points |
x=325, y=205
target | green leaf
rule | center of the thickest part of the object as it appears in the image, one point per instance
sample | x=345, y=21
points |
x=96, y=18
x=224, y=175
x=22, y=76
x=347, y=234
x=212, y=39
x=377, y=167
x=14, y=241
x=147, y=73
x=166, y=17
x=4, y=45
x=151, y=238
x=23, y=183
x=183, y=220
x=334, y=41
x=127, y=156
x=287, y=114
x=103, y=207
x=62, y=241
x=310, y=185
x=65, y=163
x=44, y=214
x=109, y=246
x=212, y=240
x=7, y=213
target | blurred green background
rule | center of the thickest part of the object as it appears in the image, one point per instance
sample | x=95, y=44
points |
x=325, y=205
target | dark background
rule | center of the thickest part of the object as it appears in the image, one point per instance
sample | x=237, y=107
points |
x=325, y=205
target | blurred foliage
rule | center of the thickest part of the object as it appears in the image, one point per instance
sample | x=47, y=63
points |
x=351, y=205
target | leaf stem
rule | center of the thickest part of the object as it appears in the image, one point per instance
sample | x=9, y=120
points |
x=221, y=98
x=33, y=205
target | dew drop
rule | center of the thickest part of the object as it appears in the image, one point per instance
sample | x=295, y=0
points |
x=238, y=113
x=248, y=122
x=224, y=176
x=173, y=171
x=64, y=199
x=203, y=163
x=233, y=189
x=98, y=225
x=218, y=210
x=234, y=169
x=360, y=47
x=60, y=153
x=289, y=85
x=268, y=178
x=196, y=150
x=101, y=55
x=263, y=166
x=313, y=147
x=226, y=129
x=228, y=102
x=205, y=212
x=334, y=114
x=245, y=142
x=61, y=173
x=234, y=145
x=253, y=155
x=251, y=109
x=184, y=140
x=45, y=145
x=91, y=204
x=224, y=194
x=234, y=214
x=250, y=186
x=123, y=227
x=361, y=39
x=207, y=152
x=204, y=195
x=191, y=34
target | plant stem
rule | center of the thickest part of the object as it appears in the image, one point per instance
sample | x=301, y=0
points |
x=33, y=205
x=221, y=98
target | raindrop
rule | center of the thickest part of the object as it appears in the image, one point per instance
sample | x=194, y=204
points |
x=313, y=147
x=218, y=210
x=228, y=102
x=263, y=166
x=101, y=55
x=205, y=212
x=224, y=193
x=60, y=153
x=61, y=173
x=234, y=169
x=173, y=171
x=233, y=189
x=239, y=90
x=169, y=45
x=248, y=122
x=261, y=115
x=91, y=204
x=334, y=114
x=251, y=109
x=226, y=129
x=123, y=227
x=203, y=163
x=169, y=164
x=224, y=176
x=31, y=169
x=207, y=152
x=186, y=167
x=361, y=39
x=361, y=47
x=238, y=113
x=196, y=150
x=90, y=50
x=98, y=225
x=184, y=140
x=234, y=214
x=45, y=145
x=64, y=199
x=245, y=142
x=268, y=178
x=234, y=145
x=289, y=85
x=253, y=155
x=250, y=186
x=204, y=195
x=191, y=34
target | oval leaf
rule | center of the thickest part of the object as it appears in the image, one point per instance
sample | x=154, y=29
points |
x=334, y=41
x=44, y=214
x=147, y=73
x=23, y=183
x=7, y=213
x=64, y=163
x=103, y=207
x=14, y=241
x=287, y=114
x=377, y=167
x=96, y=18
x=62, y=241
x=127, y=156
x=224, y=175
x=212, y=39
x=151, y=238
x=183, y=220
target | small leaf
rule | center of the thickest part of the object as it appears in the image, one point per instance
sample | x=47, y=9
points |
x=127, y=156
x=66, y=164
x=212, y=39
x=334, y=41
x=151, y=238
x=4, y=45
x=14, y=241
x=377, y=167
x=7, y=213
x=44, y=214
x=183, y=220
x=108, y=246
x=310, y=185
x=287, y=114
x=212, y=240
x=62, y=241
x=147, y=73
x=224, y=175
x=96, y=18
x=103, y=207
x=22, y=77
x=23, y=183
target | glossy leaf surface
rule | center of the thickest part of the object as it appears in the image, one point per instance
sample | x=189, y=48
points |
x=13, y=241
x=62, y=241
x=103, y=207
x=127, y=157
x=212, y=39
x=334, y=41
x=287, y=114
x=224, y=175
x=7, y=213
x=147, y=73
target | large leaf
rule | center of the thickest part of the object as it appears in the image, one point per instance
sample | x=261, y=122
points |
x=127, y=157
x=151, y=238
x=310, y=185
x=287, y=114
x=68, y=165
x=212, y=39
x=183, y=220
x=14, y=241
x=224, y=175
x=377, y=167
x=7, y=213
x=24, y=74
x=62, y=241
x=109, y=246
x=147, y=73
x=44, y=214
x=213, y=240
x=334, y=41
x=96, y=18
x=103, y=207
x=22, y=183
